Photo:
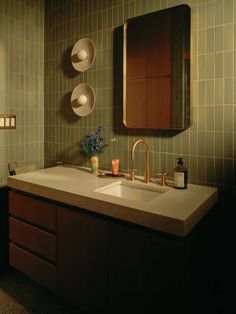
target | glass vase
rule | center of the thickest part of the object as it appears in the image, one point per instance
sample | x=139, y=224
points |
x=94, y=165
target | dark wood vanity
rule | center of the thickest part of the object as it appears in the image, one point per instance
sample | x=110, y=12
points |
x=33, y=238
x=106, y=265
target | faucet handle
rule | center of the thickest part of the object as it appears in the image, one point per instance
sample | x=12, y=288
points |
x=132, y=174
x=162, y=176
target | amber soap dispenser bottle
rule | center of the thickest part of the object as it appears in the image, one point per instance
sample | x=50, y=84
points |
x=180, y=175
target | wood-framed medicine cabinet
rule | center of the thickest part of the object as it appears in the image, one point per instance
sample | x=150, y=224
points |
x=156, y=70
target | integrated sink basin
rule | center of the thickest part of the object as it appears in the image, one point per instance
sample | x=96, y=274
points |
x=132, y=191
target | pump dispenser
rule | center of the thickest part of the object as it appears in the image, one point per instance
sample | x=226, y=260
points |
x=180, y=175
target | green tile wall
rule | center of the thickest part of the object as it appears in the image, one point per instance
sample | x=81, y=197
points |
x=208, y=146
x=21, y=82
x=212, y=135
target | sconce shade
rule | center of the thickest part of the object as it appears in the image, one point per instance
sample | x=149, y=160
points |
x=83, y=99
x=83, y=54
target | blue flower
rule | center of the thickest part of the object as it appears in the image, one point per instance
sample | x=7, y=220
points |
x=93, y=143
x=99, y=129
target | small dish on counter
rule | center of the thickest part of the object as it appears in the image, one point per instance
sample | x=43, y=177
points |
x=110, y=175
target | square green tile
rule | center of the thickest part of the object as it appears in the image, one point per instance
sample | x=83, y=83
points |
x=210, y=118
x=219, y=38
x=228, y=61
x=210, y=92
x=201, y=143
x=228, y=90
x=228, y=171
x=201, y=115
x=228, y=145
x=219, y=94
x=210, y=14
x=193, y=169
x=219, y=65
x=228, y=118
x=219, y=144
x=202, y=16
x=210, y=170
x=228, y=39
x=219, y=12
x=210, y=40
x=201, y=93
x=201, y=41
x=201, y=169
x=210, y=144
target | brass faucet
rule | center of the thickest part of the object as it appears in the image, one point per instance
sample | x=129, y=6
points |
x=146, y=174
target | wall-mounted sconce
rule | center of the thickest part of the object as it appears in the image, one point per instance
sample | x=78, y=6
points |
x=83, y=54
x=83, y=99
x=7, y=121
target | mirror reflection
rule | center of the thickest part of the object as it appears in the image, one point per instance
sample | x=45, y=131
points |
x=156, y=70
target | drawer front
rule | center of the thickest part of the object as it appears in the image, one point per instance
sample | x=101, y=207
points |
x=32, y=210
x=33, y=266
x=40, y=242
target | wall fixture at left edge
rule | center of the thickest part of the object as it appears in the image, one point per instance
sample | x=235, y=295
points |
x=7, y=121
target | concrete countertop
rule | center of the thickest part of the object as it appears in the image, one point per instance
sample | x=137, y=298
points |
x=175, y=212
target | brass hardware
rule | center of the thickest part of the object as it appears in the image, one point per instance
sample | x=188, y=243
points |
x=132, y=174
x=162, y=176
x=146, y=174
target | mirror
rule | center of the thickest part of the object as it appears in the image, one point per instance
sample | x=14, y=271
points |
x=156, y=70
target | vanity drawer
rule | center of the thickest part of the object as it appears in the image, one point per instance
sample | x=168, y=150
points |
x=33, y=210
x=40, y=242
x=33, y=266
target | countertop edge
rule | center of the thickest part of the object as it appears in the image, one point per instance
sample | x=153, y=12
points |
x=199, y=213
x=156, y=221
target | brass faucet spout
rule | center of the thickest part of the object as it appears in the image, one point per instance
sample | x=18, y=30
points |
x=146, y=174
